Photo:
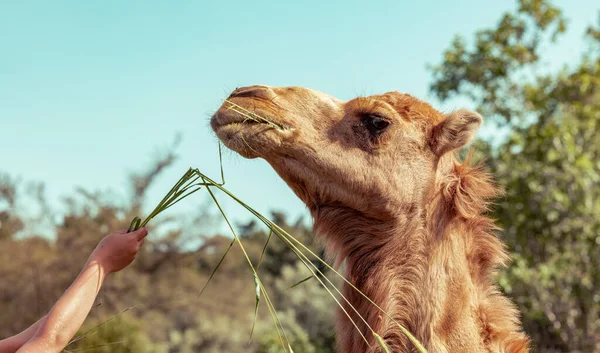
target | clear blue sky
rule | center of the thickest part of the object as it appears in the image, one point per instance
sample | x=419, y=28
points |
x=89, y=90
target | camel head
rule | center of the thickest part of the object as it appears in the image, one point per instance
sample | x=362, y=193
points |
x=377, y=155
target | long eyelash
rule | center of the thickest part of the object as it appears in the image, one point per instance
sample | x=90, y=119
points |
x=366, y=114
x=379, y=116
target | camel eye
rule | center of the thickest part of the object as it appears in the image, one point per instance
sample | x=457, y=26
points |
x=375, y=124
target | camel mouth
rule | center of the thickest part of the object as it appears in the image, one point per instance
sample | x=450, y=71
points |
x=251, y=132
x=233, y=114
x=222, y=120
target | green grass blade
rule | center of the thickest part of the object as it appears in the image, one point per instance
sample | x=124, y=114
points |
x=216, y=267
x=302, y=281
x=384, y=347
x=95, y=328
x=251, y=115
x=221, y=165
x=182, y=197
x=257, y=291
x=262, y=254
x=134, y=225
x=93, y=347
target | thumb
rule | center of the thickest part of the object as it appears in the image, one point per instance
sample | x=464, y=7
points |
x=140, y=233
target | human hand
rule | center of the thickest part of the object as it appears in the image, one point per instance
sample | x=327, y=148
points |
x=118, y=249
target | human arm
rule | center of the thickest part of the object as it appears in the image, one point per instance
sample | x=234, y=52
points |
x=13, y=343
x=113, y=253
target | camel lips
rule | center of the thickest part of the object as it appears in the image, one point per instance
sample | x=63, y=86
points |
x=252, y=116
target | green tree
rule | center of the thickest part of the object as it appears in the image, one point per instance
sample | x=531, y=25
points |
x=549, y=165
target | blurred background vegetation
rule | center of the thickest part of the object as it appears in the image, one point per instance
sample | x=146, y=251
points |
x=545, y=155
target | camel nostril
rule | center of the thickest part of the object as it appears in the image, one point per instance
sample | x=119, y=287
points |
x=253, y=92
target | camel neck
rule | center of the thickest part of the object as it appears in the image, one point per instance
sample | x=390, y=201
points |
x=387, y=262
x=420, y=274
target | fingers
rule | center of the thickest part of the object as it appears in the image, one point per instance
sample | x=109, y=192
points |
x=140, y=233
x=121, y=231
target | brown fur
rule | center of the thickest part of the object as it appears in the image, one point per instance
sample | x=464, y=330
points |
x=395, y=206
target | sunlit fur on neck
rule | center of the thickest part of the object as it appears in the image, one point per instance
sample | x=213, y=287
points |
x=408, y=266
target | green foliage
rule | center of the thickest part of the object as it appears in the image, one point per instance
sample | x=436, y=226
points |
x=213, y=334
x=486, y=72
x=300, y=342
x=311, y=305
x=121, y=335
x=549, y=166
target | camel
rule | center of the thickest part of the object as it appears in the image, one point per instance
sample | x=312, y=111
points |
x=387, y=193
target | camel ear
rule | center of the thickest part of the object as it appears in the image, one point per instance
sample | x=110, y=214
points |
x=454, y=132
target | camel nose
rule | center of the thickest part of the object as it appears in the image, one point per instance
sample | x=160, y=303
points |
x=256, y=91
